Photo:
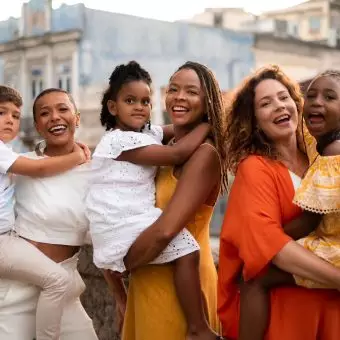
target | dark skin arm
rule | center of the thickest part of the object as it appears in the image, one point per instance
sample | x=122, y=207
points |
x=332, y=149
x=165, y=154
x=199, y=177
x=168, y=133
x=303, y=225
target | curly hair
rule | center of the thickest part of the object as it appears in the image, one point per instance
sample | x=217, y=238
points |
x=242, y=138
x=120, y=76
x=214, y=108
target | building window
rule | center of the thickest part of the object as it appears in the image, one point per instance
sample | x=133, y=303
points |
x=68, y=84
x=64, y=82
x=218, y=19
x=33, y=87
x=64, y=76
x=37, y=82
x=294, y=29
x=314, y=24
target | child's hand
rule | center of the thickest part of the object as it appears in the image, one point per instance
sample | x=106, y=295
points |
x=84, y=151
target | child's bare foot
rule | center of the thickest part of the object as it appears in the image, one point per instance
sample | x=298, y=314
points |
x=207, y=334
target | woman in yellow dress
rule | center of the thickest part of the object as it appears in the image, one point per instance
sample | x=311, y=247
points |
x=187, y=196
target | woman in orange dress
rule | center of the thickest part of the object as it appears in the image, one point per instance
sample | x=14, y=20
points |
x=265, y=151
x=187, y=195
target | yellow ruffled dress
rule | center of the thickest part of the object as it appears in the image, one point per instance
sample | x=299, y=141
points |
x=319, y=192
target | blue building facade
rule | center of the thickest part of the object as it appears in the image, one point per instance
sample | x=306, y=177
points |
x=107, y=39
x=76, y=48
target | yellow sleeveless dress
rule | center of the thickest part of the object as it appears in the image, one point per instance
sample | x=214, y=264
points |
x=153, y=311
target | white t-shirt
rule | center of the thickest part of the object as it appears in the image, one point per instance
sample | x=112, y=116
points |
x=52, y=209
x=7, y=158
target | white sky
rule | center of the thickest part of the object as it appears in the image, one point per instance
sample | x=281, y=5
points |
x=169, y=10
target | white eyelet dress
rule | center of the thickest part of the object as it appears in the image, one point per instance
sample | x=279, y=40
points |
x=121, y=201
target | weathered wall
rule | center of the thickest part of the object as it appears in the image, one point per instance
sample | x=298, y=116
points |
x=96, y=299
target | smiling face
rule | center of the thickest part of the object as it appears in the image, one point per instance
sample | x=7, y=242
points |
x=275, y=110
x=322, y=106
x=9, y=121
x=185, y=98
x=132, y=107
x=56, y=119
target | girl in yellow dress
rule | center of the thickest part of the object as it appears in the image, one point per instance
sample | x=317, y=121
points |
x=320, y=189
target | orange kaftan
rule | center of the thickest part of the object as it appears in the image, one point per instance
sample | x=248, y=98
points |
x=260, y=203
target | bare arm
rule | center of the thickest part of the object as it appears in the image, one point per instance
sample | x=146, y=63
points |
x=200, y=176
x=168, y=133
x=116, y=287
x=165, y=154
x=297, y=260
x=302, y=225
x=332, y=149
x=49, y=166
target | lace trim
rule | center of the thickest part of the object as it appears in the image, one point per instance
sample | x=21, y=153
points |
x=319, y=191
x=312, y=207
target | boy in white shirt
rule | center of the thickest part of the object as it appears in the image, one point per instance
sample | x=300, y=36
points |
x=19, y=259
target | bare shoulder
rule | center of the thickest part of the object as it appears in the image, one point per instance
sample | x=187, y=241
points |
x=205, y=161
x=207, y=152
x=332, y=149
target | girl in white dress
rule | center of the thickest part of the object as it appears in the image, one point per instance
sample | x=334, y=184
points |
x=121, y=199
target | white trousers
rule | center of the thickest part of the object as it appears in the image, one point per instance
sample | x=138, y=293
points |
x=18, y=303
x=21, y=261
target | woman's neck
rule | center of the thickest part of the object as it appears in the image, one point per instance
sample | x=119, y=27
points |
x=59, y=150
x=181, y=131
x=288, y=149
x=292, y=157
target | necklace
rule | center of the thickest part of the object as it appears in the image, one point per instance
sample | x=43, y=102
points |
x=327, y=139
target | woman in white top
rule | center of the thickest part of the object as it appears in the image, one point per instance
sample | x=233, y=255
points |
x=50, y=215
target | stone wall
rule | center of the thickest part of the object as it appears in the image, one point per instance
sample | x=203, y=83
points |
x=96, y=299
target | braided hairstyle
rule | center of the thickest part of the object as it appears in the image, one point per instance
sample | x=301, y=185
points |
x=214, y=108
x=120, y=76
